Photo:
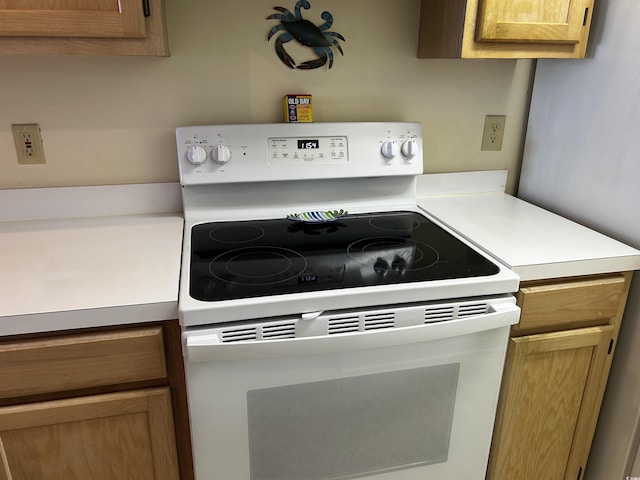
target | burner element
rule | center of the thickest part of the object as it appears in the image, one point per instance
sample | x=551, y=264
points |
x=261, y=265
x=395, y=223
x=236, y=234
x=393, y=254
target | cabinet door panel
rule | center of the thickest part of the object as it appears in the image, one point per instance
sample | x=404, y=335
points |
x=538, y=21
x=155, y=41
x=72, y=18
x=550, y=397
x=94, y=5
x=122, y=435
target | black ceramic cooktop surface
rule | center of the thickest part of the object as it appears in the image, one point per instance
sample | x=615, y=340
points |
x=243, y=259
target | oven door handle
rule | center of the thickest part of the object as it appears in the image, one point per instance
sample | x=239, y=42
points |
x=206, y=345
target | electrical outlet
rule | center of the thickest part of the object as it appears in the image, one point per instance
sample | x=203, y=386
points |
x=28, y=143
x=493, y=132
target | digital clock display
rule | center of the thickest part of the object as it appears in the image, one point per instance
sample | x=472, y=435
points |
x=308, y=144
x=308, y=278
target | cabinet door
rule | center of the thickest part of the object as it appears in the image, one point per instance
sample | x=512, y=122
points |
x=127, y=435
x=72, y=18
x=60, y=37
x=538, y=21
x=551, y=394
x=504, y=29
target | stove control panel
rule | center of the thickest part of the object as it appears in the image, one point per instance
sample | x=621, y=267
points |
x=276, y=152
x=298, y=150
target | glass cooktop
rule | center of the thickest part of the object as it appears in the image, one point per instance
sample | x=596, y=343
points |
x=242, y=259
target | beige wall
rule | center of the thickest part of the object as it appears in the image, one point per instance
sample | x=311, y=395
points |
x=111, y=120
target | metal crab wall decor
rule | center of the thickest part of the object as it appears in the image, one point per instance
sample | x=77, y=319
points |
x=306, y=33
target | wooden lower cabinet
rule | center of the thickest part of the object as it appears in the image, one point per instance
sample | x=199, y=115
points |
x=550, y=398
x=126, y=435
x=103, y=404
x=554, y=381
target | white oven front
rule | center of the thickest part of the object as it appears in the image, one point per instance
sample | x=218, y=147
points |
x=414, y=401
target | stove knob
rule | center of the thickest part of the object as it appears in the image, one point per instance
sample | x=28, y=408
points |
x=221, y=154
x=410, y=148
x=196, y=155
x=389, y=149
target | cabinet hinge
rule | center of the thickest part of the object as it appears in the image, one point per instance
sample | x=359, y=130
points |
x=610, y=347
x=586, y=14
x=579, y=473
x=145, y=8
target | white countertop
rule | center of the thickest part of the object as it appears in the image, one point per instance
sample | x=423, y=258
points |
x=533, y=242
x=66, y=273
x=97, y=256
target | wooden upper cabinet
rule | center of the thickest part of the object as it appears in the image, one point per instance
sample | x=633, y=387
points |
x=504, y=29
x=72, y=18
x=537, y=21
x=86, y=27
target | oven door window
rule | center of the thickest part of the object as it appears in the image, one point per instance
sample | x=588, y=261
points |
x=352, y=426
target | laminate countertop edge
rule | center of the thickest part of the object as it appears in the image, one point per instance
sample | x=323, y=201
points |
x=533, y=242
x=77, y=272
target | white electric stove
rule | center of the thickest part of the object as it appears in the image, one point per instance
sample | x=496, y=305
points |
x=331, y=329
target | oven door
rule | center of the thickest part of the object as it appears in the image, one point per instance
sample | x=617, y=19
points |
x=406, y=403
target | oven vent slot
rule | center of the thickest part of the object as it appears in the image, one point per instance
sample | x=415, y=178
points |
x=279, y=330
x=238, y=334
x=472, y=310
x=377, y=321
x=358, y=323
x=439, y=314
x=343, y=324
x=260, y=332
x=452, y=312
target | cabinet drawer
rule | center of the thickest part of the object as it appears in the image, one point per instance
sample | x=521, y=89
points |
x=570, y=303
x=81, y=361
